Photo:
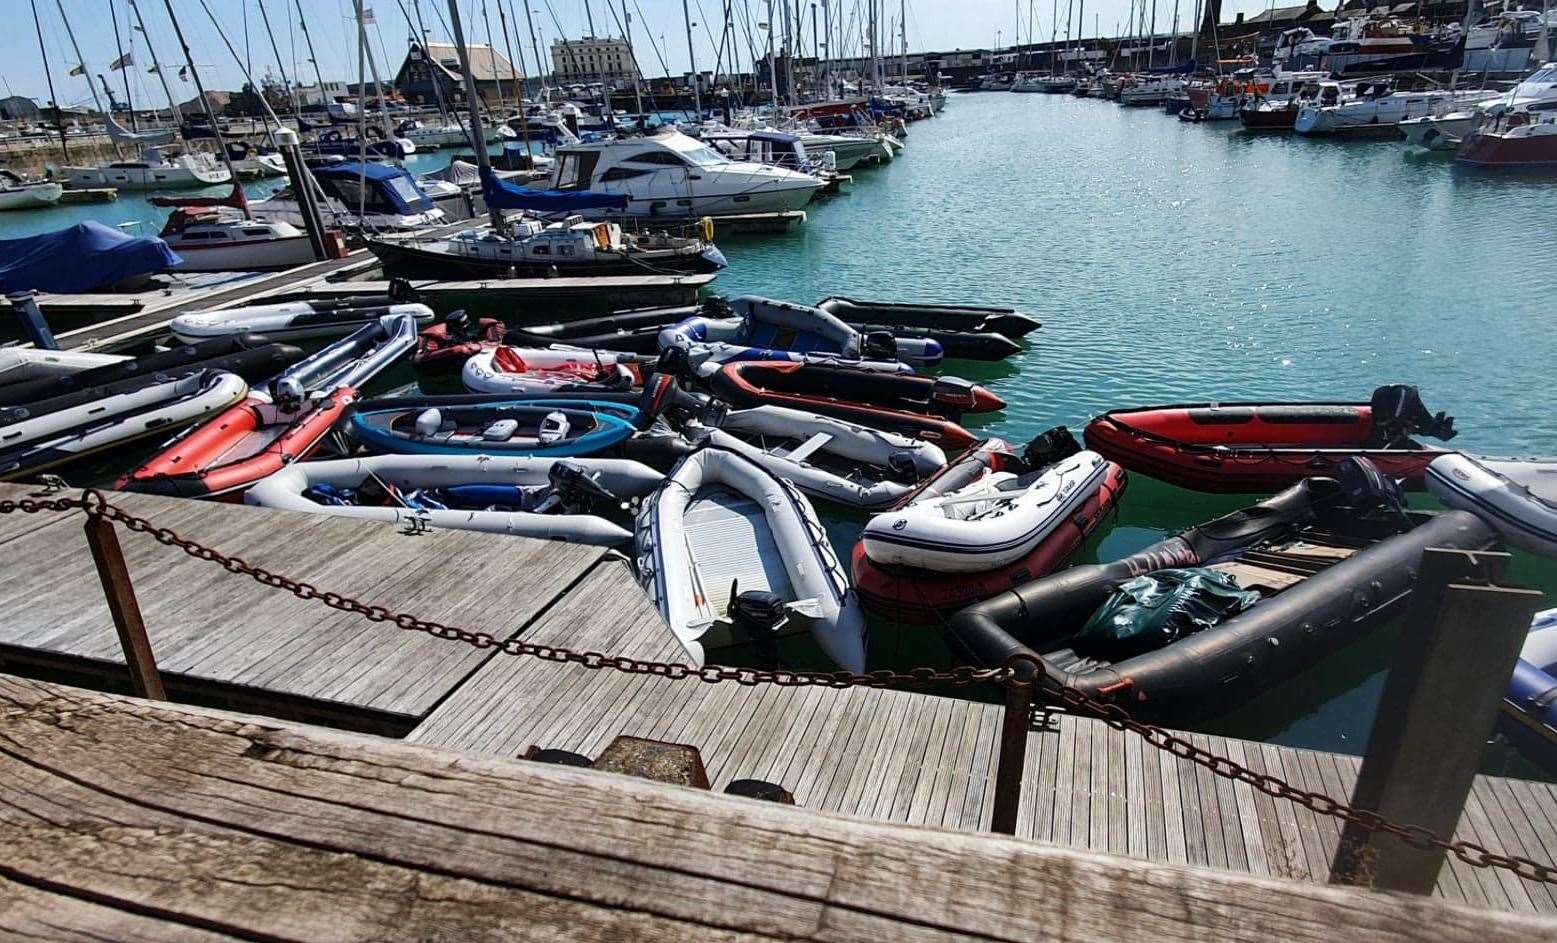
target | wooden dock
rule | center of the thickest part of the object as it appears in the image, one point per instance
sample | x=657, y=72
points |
x=895, y=756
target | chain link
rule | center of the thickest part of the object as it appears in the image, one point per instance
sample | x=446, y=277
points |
x=94, y=503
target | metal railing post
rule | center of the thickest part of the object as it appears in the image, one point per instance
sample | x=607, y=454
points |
x=126, y=612
x=1014, y=727
x=1447, y=677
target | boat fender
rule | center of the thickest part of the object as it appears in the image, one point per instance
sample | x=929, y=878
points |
x=504, y=429
x=428, y=422
x=554, y=428
x=706, y=224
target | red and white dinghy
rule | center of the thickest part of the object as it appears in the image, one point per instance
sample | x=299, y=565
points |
x=1253, y=448
x=526, y=370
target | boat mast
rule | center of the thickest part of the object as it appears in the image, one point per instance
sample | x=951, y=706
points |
x=535, y=47
x=508, y=43
x=156, y=66
x=1081, y=24
x=1194, y=40
x=1054, y=36
x=312, y=56
x=1070, y=8
x=205, y=103
x=366, y=52
x=419, y=37
x=483, y=163
x=124, y=68
x=280, y=65
x=81, y=63
x=492, y=60
x=1173, y=47
x=697, y=94
x=59, y=118
x=1151, y=51
x=902, y=31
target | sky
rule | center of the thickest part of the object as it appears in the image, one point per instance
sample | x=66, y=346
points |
x=659, y=33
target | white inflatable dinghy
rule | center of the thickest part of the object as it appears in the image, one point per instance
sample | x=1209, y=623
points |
x=544, y=498
x=993, y=521
x=825, y=457
x=528, y=370
x=35, y=444
x=291, y=320
x=20, y=364
x=721, y=522
x=1517, y=497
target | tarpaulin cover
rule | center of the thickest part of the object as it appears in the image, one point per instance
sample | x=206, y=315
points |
x=394, y=184
x=508, y=196
x=1149, y=612
x=78, y=259
x=1183, y=68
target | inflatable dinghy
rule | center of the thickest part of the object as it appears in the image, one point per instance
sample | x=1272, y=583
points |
x=825, y=457
x=543, y=426
x=249, y=356
x=989, y=522
x=1250, y=448
x=1518, y=498
x=325, y=317
x=765, y=329
x=1326, y=561
x=23, y=364
x=530, y=371
x=444, y=347
x=721, y=527
x=920, y=406
x=972, y=319
x=1530, y=707
x=36, y=444
x=276, y=426
x=544, y=498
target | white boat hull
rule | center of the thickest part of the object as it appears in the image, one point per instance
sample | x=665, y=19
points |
x=30, y=196
x=1517, y=498
x=145, y=178
x=257, y=256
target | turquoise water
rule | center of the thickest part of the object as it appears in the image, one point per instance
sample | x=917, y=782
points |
x=1171, y=262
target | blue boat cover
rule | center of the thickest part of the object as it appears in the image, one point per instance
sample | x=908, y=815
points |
x=1183, y=68
x=80, y=258
x=394, y=183
x=508, y=196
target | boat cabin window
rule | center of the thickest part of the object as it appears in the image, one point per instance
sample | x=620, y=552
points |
x=575, y=170
x=623, y=173
x=256, y=231
x=704, y=156
x=657, y=157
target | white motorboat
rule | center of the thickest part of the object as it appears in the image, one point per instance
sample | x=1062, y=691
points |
x=723, y=530
x=18, y=193
x=774, y=148
x=154, y=171
x=848, y=150
x=1379, y=109
x=669, y=174
x=431, y=136
x=21, y=364
x=1299, y=43
x=1445, y=130
x=1518, y=498
x=1151, y=90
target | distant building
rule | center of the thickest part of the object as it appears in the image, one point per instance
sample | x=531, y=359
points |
x=219, y=104
x=18, y=107
x=494, y=75
x=312, y=96
x=593, y=59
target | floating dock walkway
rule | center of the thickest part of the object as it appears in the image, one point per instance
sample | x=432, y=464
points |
x=223, y=640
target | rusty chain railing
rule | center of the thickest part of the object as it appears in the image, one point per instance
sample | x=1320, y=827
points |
x=1023, y=679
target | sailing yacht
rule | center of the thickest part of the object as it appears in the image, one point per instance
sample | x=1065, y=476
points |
x=18, y=193
x=674, y=175
x=154, y=171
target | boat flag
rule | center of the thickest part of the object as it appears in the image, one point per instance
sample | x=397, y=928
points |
x=79, y=70
x=124, y=60
x=183, y=73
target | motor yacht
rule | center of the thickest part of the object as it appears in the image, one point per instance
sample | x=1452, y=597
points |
x=1377, y=108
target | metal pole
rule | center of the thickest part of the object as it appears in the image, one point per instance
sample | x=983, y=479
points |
x=492, y=60
x=697, y=94
x=483, y=163
x=772, y=61
x=84, y=71
x=156, y=64
x=1014, y=725
x=303, y=185
x=1450, y=669
x=280, y=66
x=205, y=103
x=48, y=73
x=524, y=123
x=540, y=69
x=145, y=680
x=312, y=56
x=124, y=70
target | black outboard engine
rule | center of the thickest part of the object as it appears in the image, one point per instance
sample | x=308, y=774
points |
x=716, y=306
x=952, y=391
x=1049, y=447
x=675, y=362
x=1398, y=414
x=401, y=292
x=758, y=615
x=900, y=465
x=462, y=325
x=878, y=345
x=575, y=487
x=1362, y=493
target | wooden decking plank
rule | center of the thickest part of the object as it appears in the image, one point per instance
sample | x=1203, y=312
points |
x=1118, y=802
x=778, y=748
x=1476, y=822
x=1278, y=852
x=1516, y=833
x=1135, y=799
x=833, y=778
x=1234, y=841
x=893, y=742
x=1193, y=812
x=1081, y=799
x=934, y=763
x=1211, y=814
x=1253, y=829
x=903, y=764
x=1065, y=773
x=1097, y=788
x=1029, y=809
x=1541, y=840
x=1045, y=777
x=975, y=815
x=756, y=716
x=946, y=805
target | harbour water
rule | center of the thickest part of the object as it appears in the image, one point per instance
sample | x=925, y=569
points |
x=1174, y=262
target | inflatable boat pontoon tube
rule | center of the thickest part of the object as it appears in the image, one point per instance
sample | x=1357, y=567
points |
x=292, y=320
x=1518, y=498
x=542, y=426
x=970, y=318
x=288, y=489
x=249, y=356
x=719, y=521
x=1530, y=706
x=532, y=371
x=766, y=329
x=1328, y=574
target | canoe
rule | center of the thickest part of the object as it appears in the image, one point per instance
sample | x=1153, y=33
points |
x=293, y=320
x=273, y=427
x=55, y=438
x=756, y=328
x=1326, y=569
x=543, y=498
x=825, y=457
x=1529, y=715
x=916, y=405
x=445, y=346
x=920, y=563
x=1249, y=448
x=974, y=319
x=249, y=356
x=720, y=532
x=542, y=426
x=1517, y=497
x=530, y=371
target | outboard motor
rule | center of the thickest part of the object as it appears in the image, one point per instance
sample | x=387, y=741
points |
x=1049, y=447
x=461, y=325
x=288, y=393
x=716, y=306
x=576, y=487
x=1365, y=489
x=878, y=345
x=675, y=362
x=952, y=391
x=758, y=615
x=401, y=292
x=1398, y=414
x=900, y=465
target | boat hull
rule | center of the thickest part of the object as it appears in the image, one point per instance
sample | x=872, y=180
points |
x=412, y=260
x=268, y=255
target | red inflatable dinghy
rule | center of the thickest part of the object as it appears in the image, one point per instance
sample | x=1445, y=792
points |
x=922, y=406
x=444, y=347
x=1252, y=448
x=912, y=596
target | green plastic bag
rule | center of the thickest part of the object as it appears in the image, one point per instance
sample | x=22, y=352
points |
x=1152, y=611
